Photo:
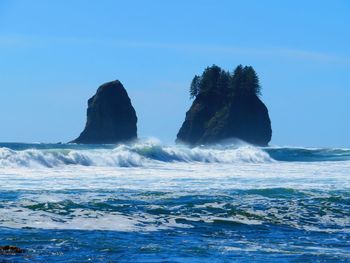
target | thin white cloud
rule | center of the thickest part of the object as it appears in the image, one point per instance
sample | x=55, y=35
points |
x=39, y=42
x=234, y=50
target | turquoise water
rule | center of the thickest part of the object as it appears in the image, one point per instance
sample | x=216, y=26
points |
x=148, y=202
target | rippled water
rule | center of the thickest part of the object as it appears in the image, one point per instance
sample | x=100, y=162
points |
x=151, y=203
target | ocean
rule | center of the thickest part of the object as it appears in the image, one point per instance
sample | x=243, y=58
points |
x=148, y=202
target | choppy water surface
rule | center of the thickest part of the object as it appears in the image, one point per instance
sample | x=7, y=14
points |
x=152, y=203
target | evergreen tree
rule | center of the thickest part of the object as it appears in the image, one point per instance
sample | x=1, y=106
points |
x=243, y=81
x=252, y=86
x=209, y=79
x=236, y=79
x=194, y=89
x=223, y=83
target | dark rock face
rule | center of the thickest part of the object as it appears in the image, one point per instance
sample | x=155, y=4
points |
x=111, y=117
x=213, y=118
x=10, y=250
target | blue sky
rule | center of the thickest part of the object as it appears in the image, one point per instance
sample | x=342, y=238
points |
x=54, y=55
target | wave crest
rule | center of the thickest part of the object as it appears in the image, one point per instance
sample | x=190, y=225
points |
x=141, y=154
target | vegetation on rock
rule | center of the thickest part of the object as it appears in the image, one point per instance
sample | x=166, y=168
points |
x=214, y=80
x=226, y=105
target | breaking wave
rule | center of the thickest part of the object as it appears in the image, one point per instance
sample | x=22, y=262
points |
x=235, y=197
x=142, y=154
x=152, y=153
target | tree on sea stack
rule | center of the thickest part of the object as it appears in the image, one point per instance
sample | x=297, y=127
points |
x=236, y=79
x=194, y=88
x=243, y=81
x=226, y=106
x=223, y=83
x=209, y=80
x=246, y=81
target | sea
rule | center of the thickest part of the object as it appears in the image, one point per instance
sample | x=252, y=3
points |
x=151, y=202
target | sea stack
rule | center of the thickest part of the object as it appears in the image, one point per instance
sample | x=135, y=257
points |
x=226, y=105
x=111, y=118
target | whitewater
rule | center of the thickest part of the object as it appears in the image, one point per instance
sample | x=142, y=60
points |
x=149, y=202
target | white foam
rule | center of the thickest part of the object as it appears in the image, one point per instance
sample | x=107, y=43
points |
x=129, y=156
x=45, y=176
x=34, y=158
